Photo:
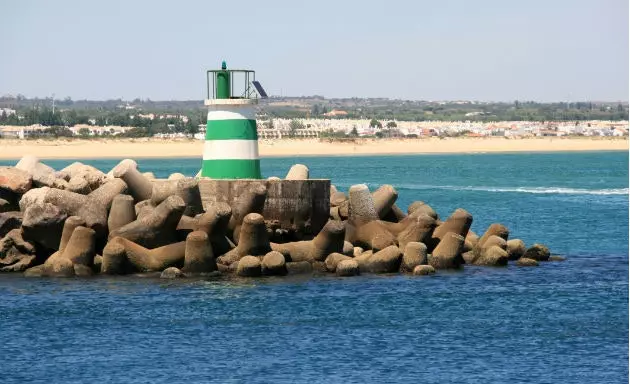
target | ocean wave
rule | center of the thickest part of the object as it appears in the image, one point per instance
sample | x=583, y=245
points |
x=535, y=190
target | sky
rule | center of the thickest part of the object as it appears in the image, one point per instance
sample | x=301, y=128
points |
x=485, y=50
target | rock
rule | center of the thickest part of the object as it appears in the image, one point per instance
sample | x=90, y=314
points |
x=273, y=264
x=515, y=249
x=334, y=259
x=78, y=184
x=348, y=248
x=9, y=221
x=248, y=266
x=422, y=270
x=15, y=180
x=347, y=268
x=415, y=254
x=537, y=252
x=16, y=254
x=526, y=262
x=171, y=273
x=556, y=258
x=149, y=175
x=43, y=224
x=357, y=251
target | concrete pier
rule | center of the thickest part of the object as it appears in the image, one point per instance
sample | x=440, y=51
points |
x=294, y=209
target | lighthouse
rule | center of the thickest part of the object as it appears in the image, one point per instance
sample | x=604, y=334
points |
x=231, y=147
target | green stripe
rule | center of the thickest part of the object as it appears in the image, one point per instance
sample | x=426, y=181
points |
x=231, y=169
x=231, y=130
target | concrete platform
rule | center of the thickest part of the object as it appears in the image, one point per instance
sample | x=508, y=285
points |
x=294, y=209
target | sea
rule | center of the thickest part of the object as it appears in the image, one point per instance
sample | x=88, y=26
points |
x=561, y=322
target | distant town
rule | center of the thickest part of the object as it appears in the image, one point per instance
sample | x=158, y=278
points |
x=318, y=117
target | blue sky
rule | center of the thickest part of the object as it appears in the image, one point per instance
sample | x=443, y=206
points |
x=551, y=50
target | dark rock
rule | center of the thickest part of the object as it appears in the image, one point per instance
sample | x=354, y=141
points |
x=9, y=221
x=538, y=252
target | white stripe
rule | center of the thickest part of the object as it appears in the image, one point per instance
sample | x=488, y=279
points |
x=226, y=113
x=230, y=149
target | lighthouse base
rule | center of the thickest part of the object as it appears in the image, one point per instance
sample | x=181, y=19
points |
x=294, y=209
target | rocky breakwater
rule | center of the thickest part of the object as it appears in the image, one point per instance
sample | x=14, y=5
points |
x=80, y=221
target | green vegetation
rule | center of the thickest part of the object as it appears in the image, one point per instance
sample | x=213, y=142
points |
x=149, y=117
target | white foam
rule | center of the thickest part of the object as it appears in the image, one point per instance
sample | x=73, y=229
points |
x=536, y=190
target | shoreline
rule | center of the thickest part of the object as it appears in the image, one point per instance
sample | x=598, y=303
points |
x=13, y=149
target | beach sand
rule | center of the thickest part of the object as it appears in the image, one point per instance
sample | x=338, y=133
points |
x=143, y=148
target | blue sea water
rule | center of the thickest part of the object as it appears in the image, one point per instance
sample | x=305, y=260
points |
x=562, y=322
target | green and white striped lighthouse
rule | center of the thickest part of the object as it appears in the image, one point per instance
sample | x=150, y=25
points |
x=231, y=147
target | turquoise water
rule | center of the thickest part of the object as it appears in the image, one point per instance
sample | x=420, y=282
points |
x=559, y=323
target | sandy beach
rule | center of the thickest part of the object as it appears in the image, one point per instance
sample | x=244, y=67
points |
x=144, y=148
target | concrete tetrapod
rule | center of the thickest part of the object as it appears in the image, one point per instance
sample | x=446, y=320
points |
x=364, y=229
x=253, y=240
x=215, y=223
x=198, y=255
x=422, y=207
x=187, y=189
x=347, y=268
x=415, y=254
x=384, y=198
x=420, y=229
x=459, y=222
x=274, y=264
x=333, y=260
x=448, y=253
x=538, y=252
x=515, y=249
x=139, y=186
x=251, y=201
x=80, y=249
x=121, y=213
x=155, y=229
x=329, y=240
x=249, y=266
x=150, y=260
x=297, y=172
x=384, y=261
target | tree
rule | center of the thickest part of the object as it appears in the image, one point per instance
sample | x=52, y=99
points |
x=354, y=132
x=375, y=124
x=84, y=132
x=392, y=124
x=294, y=125
x=315, y=110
